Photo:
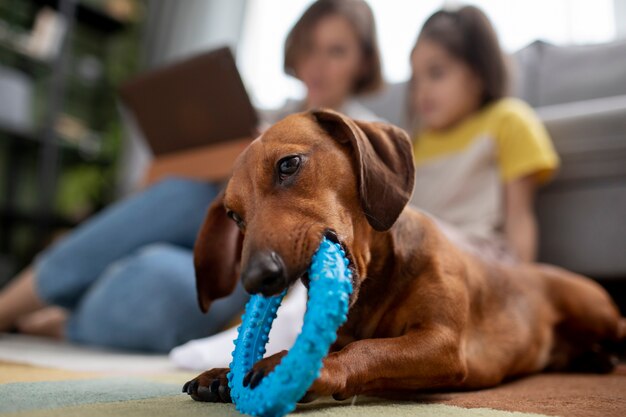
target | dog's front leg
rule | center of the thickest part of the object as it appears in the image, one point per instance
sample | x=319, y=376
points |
x=426, y=358
x=212, y=385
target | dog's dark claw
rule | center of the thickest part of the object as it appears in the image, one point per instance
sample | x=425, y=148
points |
x=207, y=394
x=256, y=379
x=224, y=393
x=246, y=379
x=307, y=398
x=340, y=397
x=210, y=386
x=193, y=387
x=253, y=378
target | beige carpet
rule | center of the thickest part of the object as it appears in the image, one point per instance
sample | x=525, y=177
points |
x=46, y=391
x=571, y=395
x=30, y=391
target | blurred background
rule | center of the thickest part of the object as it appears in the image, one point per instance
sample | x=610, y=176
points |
x=67, y=149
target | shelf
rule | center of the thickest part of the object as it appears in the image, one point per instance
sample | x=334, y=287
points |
x=25, y=62
x=6, y=269
x=91, y=16
x=33, y=138
x=18, y=132
x=33, y=217
x=39, y=157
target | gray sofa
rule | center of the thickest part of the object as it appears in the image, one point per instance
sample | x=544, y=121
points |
x=580, y=94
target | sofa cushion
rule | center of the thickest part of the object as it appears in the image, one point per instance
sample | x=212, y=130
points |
x=548, y=74
x=590, y=137
x=581, y=214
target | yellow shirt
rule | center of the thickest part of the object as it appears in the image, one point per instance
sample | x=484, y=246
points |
x=460, y=172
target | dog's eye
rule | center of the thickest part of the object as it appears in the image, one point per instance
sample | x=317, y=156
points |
x=236, y=218
x=288, y=166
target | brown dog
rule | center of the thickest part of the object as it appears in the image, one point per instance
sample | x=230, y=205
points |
x=425, y=313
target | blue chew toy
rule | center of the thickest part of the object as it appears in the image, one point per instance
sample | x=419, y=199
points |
x=327, y=308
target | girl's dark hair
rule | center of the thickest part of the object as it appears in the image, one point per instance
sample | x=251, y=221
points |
x=360, y=16
x=467, y=34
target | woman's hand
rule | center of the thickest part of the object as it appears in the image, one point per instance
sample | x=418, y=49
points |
x=520, y=224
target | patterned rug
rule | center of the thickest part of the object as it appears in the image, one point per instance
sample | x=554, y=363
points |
x=35, y=390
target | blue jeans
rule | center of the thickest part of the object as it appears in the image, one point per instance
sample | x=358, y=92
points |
x=127, y=273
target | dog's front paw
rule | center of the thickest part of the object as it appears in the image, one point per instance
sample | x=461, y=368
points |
x=210, y=386
x=331, y=382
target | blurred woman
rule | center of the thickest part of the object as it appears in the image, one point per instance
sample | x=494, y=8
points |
x=333, y=50
x=125, y=277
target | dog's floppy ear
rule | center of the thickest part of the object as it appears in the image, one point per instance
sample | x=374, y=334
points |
x=216, y=255
x=384, y=163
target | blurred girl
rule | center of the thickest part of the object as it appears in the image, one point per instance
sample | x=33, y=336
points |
x=479, y=155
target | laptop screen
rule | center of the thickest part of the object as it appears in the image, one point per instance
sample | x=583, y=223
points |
x=193, y=103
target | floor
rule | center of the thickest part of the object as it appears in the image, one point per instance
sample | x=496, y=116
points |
x=44, y=378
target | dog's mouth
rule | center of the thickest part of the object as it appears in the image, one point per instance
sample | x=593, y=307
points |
x=331, y=235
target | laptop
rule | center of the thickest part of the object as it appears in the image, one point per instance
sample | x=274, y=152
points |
x=191, y=104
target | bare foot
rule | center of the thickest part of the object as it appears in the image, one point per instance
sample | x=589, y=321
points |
x=18, y=298
x=48, y=322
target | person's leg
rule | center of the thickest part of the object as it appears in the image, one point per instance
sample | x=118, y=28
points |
x=170, y=211
x=148, y=302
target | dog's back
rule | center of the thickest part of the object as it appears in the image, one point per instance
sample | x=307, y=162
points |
x=521, y=318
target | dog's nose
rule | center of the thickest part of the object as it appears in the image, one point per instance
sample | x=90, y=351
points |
x=265, y=273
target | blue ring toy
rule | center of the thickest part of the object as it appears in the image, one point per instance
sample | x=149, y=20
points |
x=327, y=308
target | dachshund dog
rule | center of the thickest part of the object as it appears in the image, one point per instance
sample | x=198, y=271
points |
x=426, y=312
